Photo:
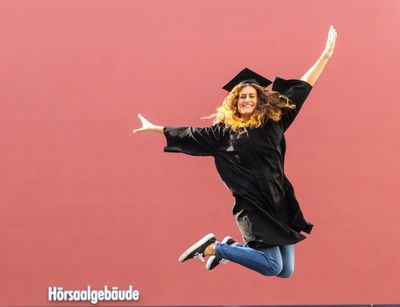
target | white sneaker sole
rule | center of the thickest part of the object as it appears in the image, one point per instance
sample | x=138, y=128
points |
x=195, y=246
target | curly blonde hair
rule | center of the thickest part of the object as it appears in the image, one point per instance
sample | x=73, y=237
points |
x=269, y=106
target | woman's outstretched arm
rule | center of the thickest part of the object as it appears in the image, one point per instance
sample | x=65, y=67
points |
x=148, y=126
x=312, y=75
x=189, y=140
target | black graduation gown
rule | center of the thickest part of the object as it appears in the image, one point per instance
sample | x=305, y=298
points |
x=252, y=167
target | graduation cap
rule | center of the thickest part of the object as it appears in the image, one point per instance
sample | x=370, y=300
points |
x=248, y=76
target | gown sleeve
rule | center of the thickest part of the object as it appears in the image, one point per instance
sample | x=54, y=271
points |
x=297, y=91
x=194, y=141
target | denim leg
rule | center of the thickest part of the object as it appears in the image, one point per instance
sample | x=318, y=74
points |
x=287, y=252
x=267, y=261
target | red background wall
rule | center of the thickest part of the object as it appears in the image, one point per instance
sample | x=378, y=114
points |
x=86, y=202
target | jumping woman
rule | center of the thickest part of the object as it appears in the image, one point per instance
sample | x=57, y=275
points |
x=247, y=142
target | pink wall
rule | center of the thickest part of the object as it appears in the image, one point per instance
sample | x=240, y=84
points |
x=85, y=202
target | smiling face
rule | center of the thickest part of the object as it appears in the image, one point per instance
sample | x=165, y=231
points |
x=247, y=101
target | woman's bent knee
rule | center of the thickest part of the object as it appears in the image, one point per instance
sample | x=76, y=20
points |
x=273, y=269
x=285, y=273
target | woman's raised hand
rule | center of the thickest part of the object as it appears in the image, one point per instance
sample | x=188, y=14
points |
x=147, y=126
x=330, y=43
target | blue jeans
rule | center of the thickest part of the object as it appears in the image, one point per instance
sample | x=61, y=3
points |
x=273, y=261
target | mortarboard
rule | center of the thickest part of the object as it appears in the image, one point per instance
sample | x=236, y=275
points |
x=246, y=75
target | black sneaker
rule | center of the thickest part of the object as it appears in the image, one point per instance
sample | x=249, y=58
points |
x=197, y=249
x=213, y=261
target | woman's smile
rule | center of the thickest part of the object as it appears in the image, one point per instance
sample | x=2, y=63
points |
x=247, y=101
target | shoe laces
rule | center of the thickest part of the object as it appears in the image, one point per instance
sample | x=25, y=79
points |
x=199, y=256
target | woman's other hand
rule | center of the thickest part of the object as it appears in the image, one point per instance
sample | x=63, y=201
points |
x=330, y=43
x=147, y=126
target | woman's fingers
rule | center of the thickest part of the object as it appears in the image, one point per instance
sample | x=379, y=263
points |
x=330, y=43
x=137, y=130
x=141, y=119
x=144, y=121
x=145, y=124
x=332, y=34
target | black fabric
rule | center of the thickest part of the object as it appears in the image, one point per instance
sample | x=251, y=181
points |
x=297, y=91
x=251, y=164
